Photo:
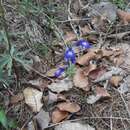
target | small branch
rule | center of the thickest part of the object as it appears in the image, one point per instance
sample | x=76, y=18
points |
x=39, y=73
x=85, y=118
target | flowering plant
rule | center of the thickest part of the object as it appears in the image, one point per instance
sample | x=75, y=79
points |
x=70, y=56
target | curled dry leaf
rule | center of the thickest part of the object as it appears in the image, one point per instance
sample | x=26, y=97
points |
x=115, y=80
x=60, y=86
x=84, y=60
x=74, y=126
x=124, y=16
x=58, y=115
x=109, y=74
x=89, y=68
x=16, y=98
x=33, y=98
x=80, y=80
x=94, y=74
x=69, y=107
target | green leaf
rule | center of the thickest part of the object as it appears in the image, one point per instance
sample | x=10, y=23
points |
x=70, y=70
x=9, y=66
x=3, y=119
x=4, y=61
x=12, y=124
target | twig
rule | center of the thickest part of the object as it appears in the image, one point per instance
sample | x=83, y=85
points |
x=69, y=17
x=118, y=35
x=85, y=118
x=26, y=123
x=44, y=76
x=126, y=106
x=70, y=20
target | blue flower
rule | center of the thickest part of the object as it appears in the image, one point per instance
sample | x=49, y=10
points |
x=83, y=43
x=70, y=55
x=59, y=72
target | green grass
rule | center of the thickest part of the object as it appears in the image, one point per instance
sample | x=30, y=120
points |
x=5, y=122
x=120, y=3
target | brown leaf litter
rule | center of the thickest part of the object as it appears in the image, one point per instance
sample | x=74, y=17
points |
x=69, y=107
x=58, y=115
x=84, y=60
x=80, y=80
x=124, y=16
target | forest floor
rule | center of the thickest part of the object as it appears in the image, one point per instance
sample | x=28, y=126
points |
x=64, y=64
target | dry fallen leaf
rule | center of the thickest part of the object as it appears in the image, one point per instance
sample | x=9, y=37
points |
x=74, y=126
x=33, y=98
x=118, y=60
x=51, y=72
x=52, y=97
x=97, y=73
x=42, y=119
x=124, y=88
x=85, y=30
x=31, y=125
x=61, y=97
x=36, y=82
x=93, y=98
x=115, y=80
x=60, y=86
x=124, y=16
x=58, y=115
x=109, y=74
x=39, y=83
x=70, y=36
x=92, y=38
x=80, y=80
x=118, y=51
x=100, y=93
x=84, y=60
x=89, y=68
x=69, y=107
x=16, y=98
x=107, y=53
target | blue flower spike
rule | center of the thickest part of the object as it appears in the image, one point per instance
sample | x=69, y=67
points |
x=70, y=55
x=59, y=72
x=84, y=44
